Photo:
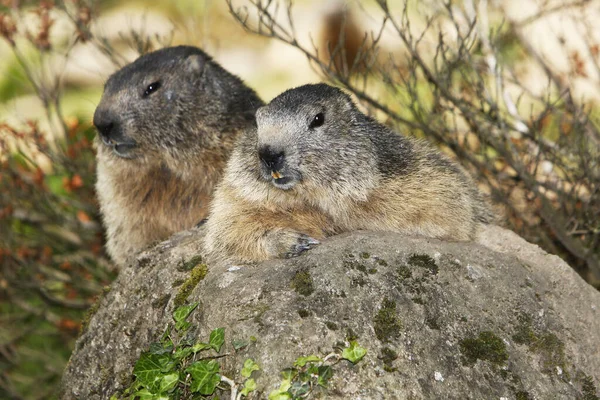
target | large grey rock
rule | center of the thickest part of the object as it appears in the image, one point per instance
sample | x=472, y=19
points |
x=489, y=320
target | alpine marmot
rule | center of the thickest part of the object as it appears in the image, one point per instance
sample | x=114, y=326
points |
x=166, y=126
x=316, y=166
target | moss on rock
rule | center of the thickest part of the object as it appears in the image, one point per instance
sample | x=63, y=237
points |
x=550, y=348
x=388, y=356
x=487, y=346
x=85, y=322
x=403, y=273
x=196, y=275
x=524, y=333
x=424, y=261
x=523, y=395
x=190, y=264
x=302, y=282
x=589, y=389
x=386, y=323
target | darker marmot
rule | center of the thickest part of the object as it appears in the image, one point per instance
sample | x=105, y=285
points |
x=316, y=166
x=167, y=123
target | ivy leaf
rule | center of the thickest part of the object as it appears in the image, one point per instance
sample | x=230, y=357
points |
x=182, y=352
x=239, y=344
x=205, y=377
x=181, y=313
x=325, y=372
x=302, y=361
x=150, y=369
x=166, y=337
x=249, y=386
x=201, y=346
x=249, y=366
x=289, y=374
x=217, y=338
x=299, y=389
x=159, y=348
x=169, y=381
x=144, y=394
x=313, y=369
x=182, y=326
x=354, y=353
x=281, y=393
x=278, y=395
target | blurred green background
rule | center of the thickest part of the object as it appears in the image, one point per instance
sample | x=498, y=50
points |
x=54, y=59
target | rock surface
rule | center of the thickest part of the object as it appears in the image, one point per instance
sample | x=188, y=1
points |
x=497, y=319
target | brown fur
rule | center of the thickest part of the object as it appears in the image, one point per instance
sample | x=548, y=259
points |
x=350, y=173
x=183, y=136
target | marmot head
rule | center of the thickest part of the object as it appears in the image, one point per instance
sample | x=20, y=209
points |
x=170, y=105
x=312, y=134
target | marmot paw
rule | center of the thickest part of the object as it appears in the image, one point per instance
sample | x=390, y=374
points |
x=303, y=243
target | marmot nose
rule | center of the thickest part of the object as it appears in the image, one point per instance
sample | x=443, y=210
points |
x=105, y=129
x=105, y=124
x=272, y=159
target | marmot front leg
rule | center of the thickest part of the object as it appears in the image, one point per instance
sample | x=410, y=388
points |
x=240, y=231
x=288, y=243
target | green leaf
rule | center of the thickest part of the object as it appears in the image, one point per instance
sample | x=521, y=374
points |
x=299, y=389
x=278, y=395
x=166, y=337
x=325, y=372
x=159, y=348
x=282, y=392
x=182, y=326
x=182, y=353
x=289, y=374
x=249, y=386
x=150, y=369
x=201, y=346
x=169, y=381
x=205, y=377
x=313, y=369
x=239, y=344
x=181, y=313
x=302, y=361
x=249, y=366
x=144, y=394
x=217, y=338
x=354, y=353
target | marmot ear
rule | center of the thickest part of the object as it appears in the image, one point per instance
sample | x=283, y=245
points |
x=260, y=113
x=195, y=63
x=348, y=103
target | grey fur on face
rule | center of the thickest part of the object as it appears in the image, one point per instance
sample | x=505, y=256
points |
x=312, y=131
x=152, y=106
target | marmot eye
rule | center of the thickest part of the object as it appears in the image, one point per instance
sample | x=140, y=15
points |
x=153, y=87
x=318, y=120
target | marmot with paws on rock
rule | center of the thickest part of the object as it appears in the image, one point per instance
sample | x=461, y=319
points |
x=316, y=166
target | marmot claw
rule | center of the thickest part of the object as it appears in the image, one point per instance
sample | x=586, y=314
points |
x=304, y=243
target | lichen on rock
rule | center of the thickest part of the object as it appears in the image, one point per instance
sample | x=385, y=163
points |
x=489, y=337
